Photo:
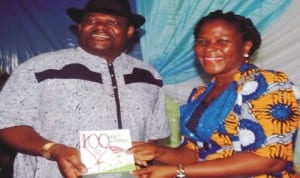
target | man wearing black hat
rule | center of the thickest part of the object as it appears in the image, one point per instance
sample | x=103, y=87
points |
x=52, y=97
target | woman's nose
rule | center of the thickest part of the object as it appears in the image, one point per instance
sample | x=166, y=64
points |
x=211, y=46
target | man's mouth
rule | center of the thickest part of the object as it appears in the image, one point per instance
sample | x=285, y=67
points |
x=100, y=36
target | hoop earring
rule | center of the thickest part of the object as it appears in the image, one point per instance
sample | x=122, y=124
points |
x=246, y=55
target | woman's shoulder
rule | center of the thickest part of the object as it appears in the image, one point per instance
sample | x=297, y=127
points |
x=272, y=76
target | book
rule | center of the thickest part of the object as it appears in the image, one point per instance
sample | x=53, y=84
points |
x=104, y=153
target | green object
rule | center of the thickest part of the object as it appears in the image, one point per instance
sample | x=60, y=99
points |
x=172, y=107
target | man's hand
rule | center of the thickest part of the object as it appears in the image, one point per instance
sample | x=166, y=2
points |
x=68, y=160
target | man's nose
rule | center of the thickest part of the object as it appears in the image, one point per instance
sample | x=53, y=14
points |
x=101, y=24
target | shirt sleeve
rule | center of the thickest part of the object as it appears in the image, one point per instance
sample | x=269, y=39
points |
x=19, y=99
x=158, y=127
x=276, y=115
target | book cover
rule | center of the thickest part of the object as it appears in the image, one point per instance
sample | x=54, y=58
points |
x=104, y=152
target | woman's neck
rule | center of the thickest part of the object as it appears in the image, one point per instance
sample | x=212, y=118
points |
x=221, y=83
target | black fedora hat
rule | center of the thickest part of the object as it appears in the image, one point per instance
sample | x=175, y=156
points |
x=114, y=7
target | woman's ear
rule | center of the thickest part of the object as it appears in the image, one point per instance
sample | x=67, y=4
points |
x=247, y=47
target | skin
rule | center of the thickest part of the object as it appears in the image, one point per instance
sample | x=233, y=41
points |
x=219, y=48
x=102, y=35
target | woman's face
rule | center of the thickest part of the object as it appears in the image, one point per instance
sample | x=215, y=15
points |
x=219, y=48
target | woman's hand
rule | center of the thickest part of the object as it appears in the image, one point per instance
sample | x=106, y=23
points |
x=156, y=172
x=144, y=152
x=68, y=160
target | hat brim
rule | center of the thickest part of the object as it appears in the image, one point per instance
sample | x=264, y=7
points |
x=77, y=15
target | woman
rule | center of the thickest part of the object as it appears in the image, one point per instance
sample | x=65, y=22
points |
x=242, y=124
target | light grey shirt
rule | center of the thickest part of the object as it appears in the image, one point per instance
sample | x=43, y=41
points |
x=49, y=93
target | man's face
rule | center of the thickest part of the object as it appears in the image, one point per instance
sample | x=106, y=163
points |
x=104, y=35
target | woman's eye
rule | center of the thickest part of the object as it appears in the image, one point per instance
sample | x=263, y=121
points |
x=201, y=41
x=223, y=41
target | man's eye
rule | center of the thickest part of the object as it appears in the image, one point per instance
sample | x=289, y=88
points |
x=112, y=23
x=89, y=21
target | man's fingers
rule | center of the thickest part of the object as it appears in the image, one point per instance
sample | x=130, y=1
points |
x=70, y=164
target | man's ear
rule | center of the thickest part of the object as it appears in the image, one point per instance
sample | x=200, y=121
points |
x=79, y=27
x=130, y=31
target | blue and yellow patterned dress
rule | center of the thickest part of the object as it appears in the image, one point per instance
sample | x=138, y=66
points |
x=258, y=112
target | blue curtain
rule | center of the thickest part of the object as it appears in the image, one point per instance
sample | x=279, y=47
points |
x=169, y=28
